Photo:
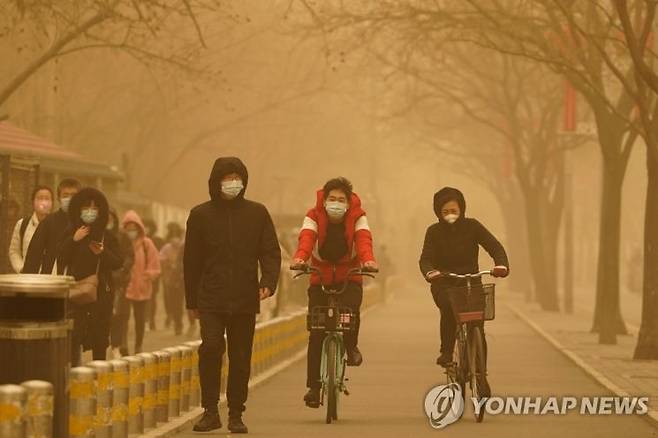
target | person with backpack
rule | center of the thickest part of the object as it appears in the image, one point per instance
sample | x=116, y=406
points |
x=42, y=251
x=42, y=204
x=144, y=271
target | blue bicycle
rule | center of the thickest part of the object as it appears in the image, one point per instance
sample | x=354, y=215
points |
x=333, y=320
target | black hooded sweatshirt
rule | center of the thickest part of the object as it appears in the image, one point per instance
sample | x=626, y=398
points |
x=225, y=241
x=455, y=247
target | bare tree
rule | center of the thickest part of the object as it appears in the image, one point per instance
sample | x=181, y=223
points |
x=513, y=99
x=151, y=31
x=637, y=20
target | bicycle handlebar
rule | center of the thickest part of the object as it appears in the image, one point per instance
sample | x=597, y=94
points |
x=453, y=275
x=305, y=269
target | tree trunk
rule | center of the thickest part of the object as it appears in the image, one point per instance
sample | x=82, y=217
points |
x=540, y=252
x=520, y=280
x=647, y=342
x=607, y=313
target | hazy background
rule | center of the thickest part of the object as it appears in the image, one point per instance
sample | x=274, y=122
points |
x=273, y=95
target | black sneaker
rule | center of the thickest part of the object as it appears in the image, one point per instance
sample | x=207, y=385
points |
x=209, y=421
x=312, y=398
x=235, y=425
x=354, y=357
x=445, y=359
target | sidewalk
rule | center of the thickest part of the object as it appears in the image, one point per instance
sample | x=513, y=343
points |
x=610, y=365
x=399, y=341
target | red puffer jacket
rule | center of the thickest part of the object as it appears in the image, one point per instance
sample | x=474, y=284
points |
x=357, y=236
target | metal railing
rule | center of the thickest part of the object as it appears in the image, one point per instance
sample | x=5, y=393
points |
x=129, y=396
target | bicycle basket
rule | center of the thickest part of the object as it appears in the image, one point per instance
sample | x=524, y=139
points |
x=325, y=318
x=475, y=304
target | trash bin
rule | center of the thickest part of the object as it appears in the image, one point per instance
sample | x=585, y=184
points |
x=35, y=336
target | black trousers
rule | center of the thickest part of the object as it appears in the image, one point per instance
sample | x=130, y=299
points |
x=448, y=324
x=239, y=330
x=174, y=297
x=352, y=298
x=139, y=309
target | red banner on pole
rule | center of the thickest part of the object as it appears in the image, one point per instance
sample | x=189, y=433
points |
x=569, y=107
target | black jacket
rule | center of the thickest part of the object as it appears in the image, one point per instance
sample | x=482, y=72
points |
x=225, y=241
x=455, y=247
x=42, y=251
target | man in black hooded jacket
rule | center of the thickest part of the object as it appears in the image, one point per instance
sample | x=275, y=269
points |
x=227, y=238
x=44, y=246
x=452, y=245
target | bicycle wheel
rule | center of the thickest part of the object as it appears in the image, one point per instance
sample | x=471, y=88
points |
x=477, y=369
x=332, y=395
x=459, y=358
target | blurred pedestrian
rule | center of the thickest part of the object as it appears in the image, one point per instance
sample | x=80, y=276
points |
x=151, y=228
x=120, y=280
x=42, y=251
x=171, y=260
x=86, y=249
x=42, y=204
x=143, y=273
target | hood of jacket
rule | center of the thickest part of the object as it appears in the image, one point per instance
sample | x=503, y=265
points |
x=84, y=197
x=133, y=216
x=447, y=194
x=222, y=167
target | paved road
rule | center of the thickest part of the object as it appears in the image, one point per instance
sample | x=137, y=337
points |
x=399, y=343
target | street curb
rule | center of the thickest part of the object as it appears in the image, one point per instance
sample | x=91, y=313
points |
x=651, y=416
x=176, y=425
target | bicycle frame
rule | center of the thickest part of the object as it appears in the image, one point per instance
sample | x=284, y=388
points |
x=459, y=371
x=335, y=336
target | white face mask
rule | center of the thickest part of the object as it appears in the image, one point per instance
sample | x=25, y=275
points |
x=64, y=202
x=232, y=188
x=335, y=209
x=451, y=218
x=132, y=234
x=43, y=207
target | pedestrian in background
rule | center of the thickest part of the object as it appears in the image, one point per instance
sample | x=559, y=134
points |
x=144, y=271
x=151, y=228
x=43, y=248
x=171, y=260
x=42, y=204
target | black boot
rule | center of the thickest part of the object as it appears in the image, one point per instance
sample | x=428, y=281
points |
x=236, y=425
x=209, y=421
x=312, y=398
x=354, y=357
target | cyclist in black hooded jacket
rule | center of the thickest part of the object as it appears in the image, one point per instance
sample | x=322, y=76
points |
x=452, y=245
